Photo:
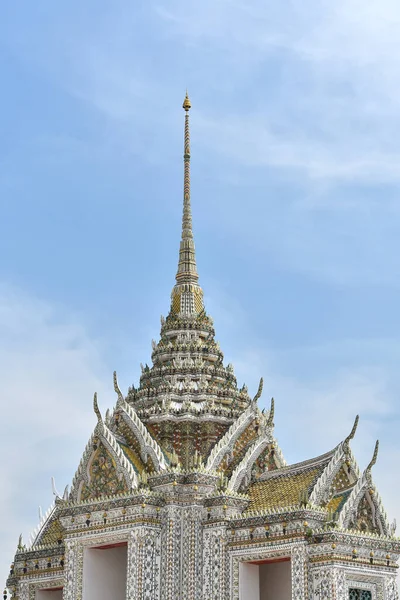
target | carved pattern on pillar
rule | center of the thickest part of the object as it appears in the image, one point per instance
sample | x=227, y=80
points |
x=214, y=567
x=191, y=567
x=23, y=591
x=70, y=570
x=171, y=553
x=133, y=566
x=341, y=589
x=143, y=580
x=299, y=572
x=391, y=589
x=321, y=584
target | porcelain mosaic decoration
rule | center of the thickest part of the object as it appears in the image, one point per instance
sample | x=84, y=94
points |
x=184, y=490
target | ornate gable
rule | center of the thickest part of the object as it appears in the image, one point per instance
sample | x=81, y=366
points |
x=104, y=465
x=363, y=509
x=340, y=473
x=103, y=478
x=366, y=518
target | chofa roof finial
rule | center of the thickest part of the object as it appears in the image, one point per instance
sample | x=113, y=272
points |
x=270, y=422
x=116, y=388
x=96, y=408
x=353, y=431
x=374, y=458
x=259, y=391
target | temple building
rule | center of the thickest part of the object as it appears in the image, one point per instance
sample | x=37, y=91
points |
x=183, y=492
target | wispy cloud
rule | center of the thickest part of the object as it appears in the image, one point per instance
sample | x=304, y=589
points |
x=49, y=369
x=338, y=61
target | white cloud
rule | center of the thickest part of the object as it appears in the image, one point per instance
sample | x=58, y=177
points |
x=49, y=369
x=250, y=140
x=335, y=97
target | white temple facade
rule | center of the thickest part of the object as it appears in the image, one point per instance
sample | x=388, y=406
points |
x=183, y=492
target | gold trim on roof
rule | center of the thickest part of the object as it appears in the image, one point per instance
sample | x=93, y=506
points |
x=282, y=491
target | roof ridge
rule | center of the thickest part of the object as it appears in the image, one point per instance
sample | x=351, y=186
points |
x=311, y=462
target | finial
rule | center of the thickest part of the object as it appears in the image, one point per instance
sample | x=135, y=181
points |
x=53, y=488
x=96, y=408
x=187, y=295
x=374, y=457
x=116, y=387
x=259, y=391
x=353, y=431
x=270, y=422
x=186, y=103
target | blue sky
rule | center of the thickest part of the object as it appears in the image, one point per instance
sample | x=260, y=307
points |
x=295, y=190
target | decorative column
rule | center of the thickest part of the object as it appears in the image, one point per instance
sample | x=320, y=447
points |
x=73, y=575
x=23, y=592
x=299, y=573
x=340, y=582
x=171, y=553
x=391, y=589
x=322, y=584
x=144, y=550
x=215, y=576
x=192, y=559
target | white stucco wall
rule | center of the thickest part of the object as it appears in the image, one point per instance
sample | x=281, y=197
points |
x=249, y=582
x=49, y=595
x=275, y=581
x=104, y=574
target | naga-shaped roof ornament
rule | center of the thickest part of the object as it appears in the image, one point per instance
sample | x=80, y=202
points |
x=116, y=388
x=352, y=432
x=373, y=460
x=96, y=409
x=270, y=422
x=259, y=392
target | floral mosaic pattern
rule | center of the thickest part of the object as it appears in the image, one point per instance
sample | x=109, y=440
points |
x=103, y=476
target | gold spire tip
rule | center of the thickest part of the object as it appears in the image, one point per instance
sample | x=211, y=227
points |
x=186, y=103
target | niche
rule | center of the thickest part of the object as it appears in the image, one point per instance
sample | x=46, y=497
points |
x=265, y=580
x=104, y=572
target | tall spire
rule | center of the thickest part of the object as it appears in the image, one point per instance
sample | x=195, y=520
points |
x=187, y=295
x=187, y=210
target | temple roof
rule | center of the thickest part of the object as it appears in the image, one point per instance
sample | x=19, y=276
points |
x=187, y=386
x=188, y=422
x=286, y=486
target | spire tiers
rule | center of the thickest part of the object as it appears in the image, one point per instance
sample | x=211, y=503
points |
x=187, y=295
